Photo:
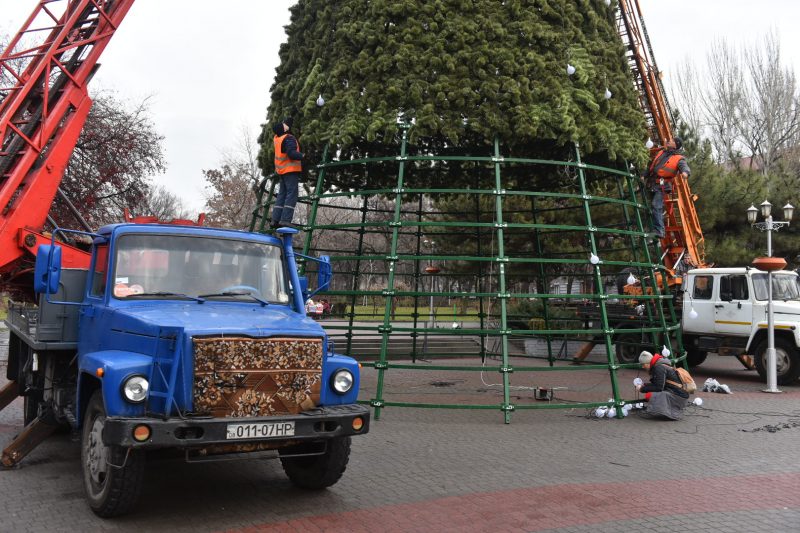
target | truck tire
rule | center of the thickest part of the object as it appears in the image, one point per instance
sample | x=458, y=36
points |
x=627, y=347
x=112, y=475
x=316, y=472
x=695, y=357
x=787, y=358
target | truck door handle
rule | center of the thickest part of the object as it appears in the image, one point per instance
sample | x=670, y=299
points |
x=719, y=306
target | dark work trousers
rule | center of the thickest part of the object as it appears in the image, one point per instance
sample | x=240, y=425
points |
x=285, y=201
x=657, y=205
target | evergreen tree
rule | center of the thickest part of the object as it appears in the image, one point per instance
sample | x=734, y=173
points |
x=462, y=71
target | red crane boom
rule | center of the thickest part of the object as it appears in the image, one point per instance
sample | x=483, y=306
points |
x=49, y=63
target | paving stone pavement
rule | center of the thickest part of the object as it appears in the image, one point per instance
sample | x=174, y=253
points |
x=464, y=470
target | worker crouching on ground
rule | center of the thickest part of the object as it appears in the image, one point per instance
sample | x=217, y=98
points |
x=289, y=167
x=664, y=394
x=667, y=164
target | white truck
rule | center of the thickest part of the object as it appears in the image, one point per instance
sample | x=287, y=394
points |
x=725, y=311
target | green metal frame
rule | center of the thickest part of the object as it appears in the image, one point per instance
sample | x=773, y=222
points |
x=411, y=212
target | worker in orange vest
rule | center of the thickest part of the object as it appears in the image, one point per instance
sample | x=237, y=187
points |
x=288, y=166
x=667, y=164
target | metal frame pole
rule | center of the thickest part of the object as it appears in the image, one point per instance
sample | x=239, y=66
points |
x=386, y=329
x=502, y=295
x=599, y=288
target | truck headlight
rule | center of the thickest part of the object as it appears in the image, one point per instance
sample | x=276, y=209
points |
x=135, y=389
x=342, y=381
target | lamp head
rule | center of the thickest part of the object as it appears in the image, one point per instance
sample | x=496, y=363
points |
x=752, y=214
x=766, y=209
x=788, y=211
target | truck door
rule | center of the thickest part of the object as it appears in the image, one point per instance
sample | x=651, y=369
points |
x=702, y=300
x=92, y=311
x=733, y=310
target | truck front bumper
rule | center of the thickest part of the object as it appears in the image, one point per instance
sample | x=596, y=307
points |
x=314, y=424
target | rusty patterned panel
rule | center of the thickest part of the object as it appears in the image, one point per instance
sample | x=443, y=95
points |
x=248, y=377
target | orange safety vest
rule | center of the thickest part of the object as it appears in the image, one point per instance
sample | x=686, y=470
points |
x=669, y=169
x=284, y=165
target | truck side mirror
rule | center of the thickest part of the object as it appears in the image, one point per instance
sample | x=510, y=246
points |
x=303, y=287
x=325, y=273
x=47, y=272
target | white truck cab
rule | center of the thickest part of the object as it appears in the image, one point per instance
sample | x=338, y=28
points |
x=725, y=311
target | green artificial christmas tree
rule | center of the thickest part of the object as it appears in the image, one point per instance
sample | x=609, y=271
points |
x=468, y=177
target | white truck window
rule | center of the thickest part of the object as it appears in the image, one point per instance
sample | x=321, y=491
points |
x=734, y=288
x=784, y=287
x=703, y=287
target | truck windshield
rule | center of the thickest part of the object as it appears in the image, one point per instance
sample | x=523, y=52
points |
x=784, y=287
x=184, y=267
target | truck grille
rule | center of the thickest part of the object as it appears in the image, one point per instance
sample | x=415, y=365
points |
x=247, y=377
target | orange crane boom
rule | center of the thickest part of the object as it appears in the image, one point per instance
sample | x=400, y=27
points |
x=683, y=245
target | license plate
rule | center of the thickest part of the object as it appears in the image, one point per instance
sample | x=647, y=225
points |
x=260, y=431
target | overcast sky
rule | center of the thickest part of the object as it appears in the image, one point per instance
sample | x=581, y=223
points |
x=208, y=64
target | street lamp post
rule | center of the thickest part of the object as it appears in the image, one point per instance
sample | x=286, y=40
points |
x=769, y=225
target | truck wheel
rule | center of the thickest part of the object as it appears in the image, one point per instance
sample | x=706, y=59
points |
x=112, y=475
x=628, y=347
x=319, y=471
x=695, y=357
x=787, y=360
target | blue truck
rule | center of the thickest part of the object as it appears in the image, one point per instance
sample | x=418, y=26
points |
x=182, y=337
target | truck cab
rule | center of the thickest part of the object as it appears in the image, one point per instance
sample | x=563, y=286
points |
x=725, y=311
x=189, y=338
